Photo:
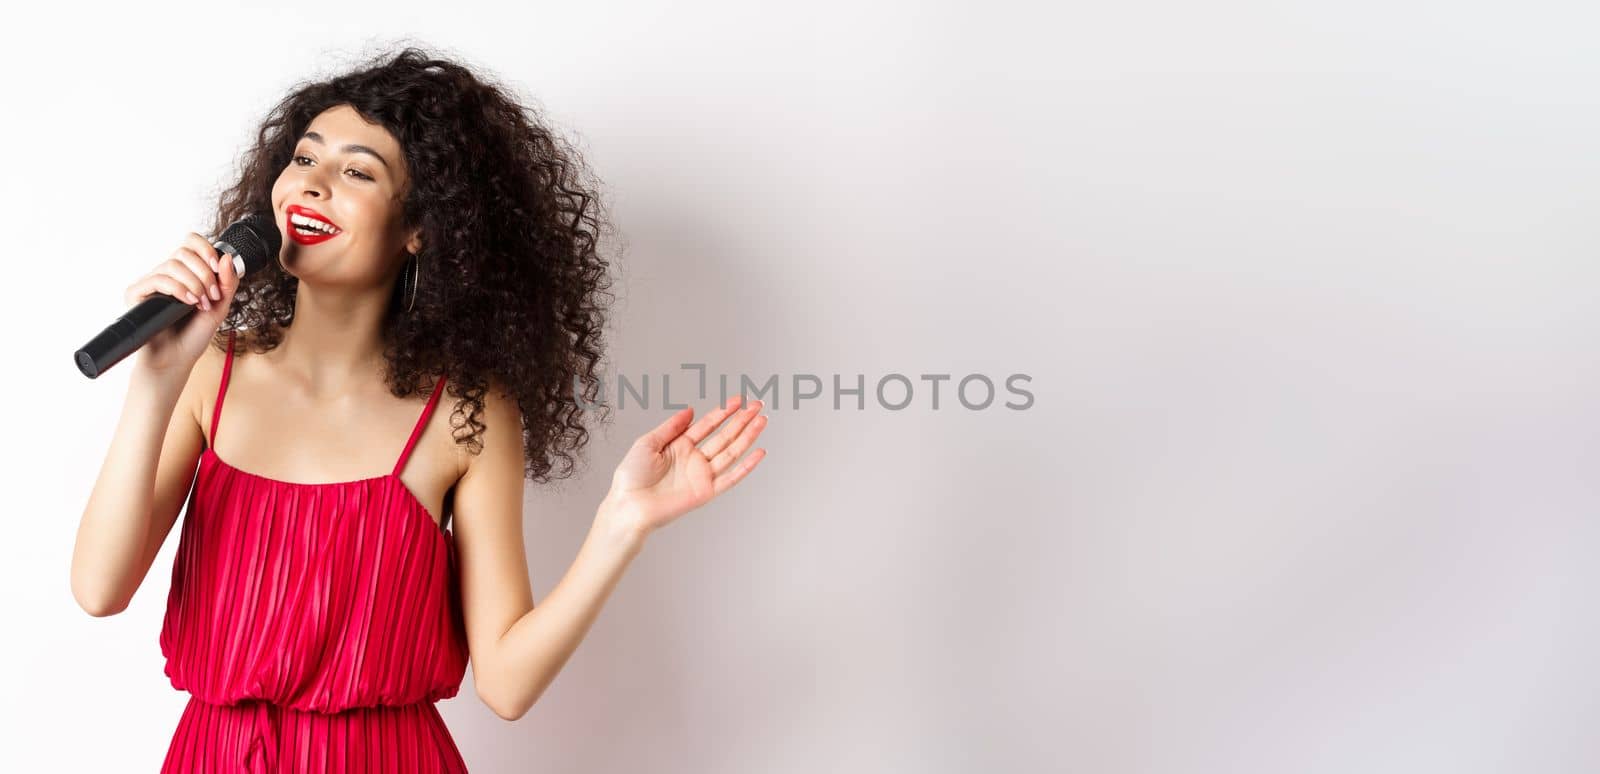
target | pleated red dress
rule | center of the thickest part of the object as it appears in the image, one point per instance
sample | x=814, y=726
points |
x=313, y=625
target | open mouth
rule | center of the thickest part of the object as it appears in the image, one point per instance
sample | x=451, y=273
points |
x=307, y=226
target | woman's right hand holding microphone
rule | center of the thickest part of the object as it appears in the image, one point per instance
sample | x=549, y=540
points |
x=197, y=274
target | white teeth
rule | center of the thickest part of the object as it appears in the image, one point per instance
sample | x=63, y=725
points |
x=302, y=220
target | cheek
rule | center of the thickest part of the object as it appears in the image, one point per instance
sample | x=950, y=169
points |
x=278, y=189
x=370, y=212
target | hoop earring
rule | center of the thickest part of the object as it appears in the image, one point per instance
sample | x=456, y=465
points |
x=416, y=276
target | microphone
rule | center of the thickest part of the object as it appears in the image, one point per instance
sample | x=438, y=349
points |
x=252, y=241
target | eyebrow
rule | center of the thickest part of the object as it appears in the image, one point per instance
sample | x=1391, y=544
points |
x=349, y=148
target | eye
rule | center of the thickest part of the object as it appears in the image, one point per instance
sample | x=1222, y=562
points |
x=358, y=173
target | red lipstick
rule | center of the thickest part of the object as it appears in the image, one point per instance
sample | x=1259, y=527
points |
x=322, y=230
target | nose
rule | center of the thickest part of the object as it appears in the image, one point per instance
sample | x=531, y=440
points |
x=311, y=184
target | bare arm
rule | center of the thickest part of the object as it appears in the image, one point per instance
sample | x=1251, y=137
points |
x=516, y=649
x=136, y=498
x=142, y=485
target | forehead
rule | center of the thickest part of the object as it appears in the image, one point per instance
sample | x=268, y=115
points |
x=342, y=124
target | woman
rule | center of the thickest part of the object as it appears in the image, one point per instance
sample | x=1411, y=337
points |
x=437, y=249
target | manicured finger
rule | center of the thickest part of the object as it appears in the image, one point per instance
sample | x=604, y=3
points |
x=725, y=481
x=729, y=431
x=709, y=422
x=724, y=457
x=658, y=438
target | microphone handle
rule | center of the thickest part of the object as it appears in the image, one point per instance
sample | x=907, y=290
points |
x=154, y=314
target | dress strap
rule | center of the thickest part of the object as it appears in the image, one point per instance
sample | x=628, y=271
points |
x=222, y=389
x=422, y=422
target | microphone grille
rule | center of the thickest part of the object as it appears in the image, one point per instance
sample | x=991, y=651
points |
x=255, y=239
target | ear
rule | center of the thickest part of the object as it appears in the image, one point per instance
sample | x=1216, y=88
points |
x=414, y=241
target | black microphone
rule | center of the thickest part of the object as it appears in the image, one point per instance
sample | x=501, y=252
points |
x=252, y=241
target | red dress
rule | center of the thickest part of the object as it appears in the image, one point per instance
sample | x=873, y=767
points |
x=313, y=625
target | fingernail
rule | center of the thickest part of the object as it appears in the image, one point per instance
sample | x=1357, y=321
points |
x=191, y=297
x=216, y=295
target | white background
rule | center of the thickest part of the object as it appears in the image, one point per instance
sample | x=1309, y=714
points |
x=1306, y=292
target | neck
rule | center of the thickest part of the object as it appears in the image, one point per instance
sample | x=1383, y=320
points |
x=334, y=346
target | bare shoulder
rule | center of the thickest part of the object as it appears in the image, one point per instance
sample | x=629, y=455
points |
x=501, y=438
x=200, y=393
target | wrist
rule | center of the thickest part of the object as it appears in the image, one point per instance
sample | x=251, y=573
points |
x=618, y=521
x=165, y=383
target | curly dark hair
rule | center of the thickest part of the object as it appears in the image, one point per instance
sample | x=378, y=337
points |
x=513, y=295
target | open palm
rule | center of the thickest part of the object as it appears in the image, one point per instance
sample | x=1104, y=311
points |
x=668, y=472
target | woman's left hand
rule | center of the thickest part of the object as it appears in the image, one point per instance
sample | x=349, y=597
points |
x=668, y=472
